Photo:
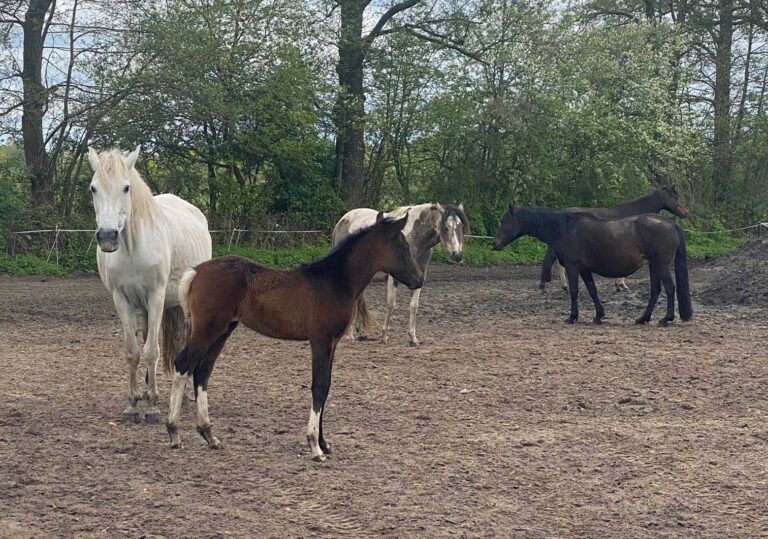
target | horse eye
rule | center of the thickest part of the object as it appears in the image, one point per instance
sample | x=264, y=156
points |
x=93, y=189
x=126, y=188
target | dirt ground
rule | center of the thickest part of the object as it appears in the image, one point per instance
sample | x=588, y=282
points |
x=505, y=422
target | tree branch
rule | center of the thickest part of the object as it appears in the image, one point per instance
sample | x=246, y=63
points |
x=391, y=12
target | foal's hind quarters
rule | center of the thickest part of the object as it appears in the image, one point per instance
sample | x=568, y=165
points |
x=585, y=244
x=145, y=243
x=313, y=302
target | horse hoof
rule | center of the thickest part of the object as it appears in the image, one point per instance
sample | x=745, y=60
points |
x=570, y=320
x=131, y=417
x=177, y=445
x=663, y=323
x=413, y=344
x=214, y=443
x=641, y=321
x=325, y=448
x=598, y=320
x=319, y=458
x=152, y=417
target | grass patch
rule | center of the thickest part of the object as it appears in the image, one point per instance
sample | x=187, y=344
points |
x=700, y=245
x=477, y=252
x=28, y=266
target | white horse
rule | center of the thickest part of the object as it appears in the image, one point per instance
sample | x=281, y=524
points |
x=145, y=244
x=428, y=224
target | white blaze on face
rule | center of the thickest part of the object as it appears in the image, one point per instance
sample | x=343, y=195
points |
x=452, y=241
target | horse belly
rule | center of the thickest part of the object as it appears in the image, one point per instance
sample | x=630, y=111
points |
x=277, y=319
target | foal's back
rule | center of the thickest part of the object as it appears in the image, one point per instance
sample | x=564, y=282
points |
x=276, y=303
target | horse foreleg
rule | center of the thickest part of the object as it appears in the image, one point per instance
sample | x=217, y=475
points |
x=127, y=315
x=589, y=282
x=573, y=289
x=412, y=308
x=655, y=291
x=391, y=303
x=322, y=364
x=669, y=289
x=155, y=305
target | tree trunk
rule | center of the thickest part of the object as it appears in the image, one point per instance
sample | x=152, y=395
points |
x=37, y=159
x=722, y=160
x=350, y=112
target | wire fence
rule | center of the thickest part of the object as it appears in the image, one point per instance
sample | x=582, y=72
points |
x=54, y=244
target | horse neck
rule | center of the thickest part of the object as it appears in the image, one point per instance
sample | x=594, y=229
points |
x=425, y=233
x=360, y=265
x=546, y=226
x=650, y=203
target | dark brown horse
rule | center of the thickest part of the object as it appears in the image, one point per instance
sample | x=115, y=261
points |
x=663, y=198
x=313, y=302
x=613, y=248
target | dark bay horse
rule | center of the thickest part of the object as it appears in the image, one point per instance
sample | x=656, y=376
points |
x=613, y=248
x=663, y=198
x=313, y=302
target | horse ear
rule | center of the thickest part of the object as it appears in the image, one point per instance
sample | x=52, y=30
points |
x=399, y=225
x=130, y=160
x=440, y=207
x=673, y=188
x=460, y=206
x=511, y=208
x=379, y=216
x=93, y=159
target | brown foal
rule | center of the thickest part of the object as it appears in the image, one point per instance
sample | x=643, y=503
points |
x=312, y=302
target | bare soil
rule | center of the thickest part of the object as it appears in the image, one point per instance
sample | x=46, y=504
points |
x=505, y=422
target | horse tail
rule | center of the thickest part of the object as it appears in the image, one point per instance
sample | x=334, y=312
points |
x=175, y=329
x=185, y=283
x=174, y=335
x=365, y=320
x=681, y=278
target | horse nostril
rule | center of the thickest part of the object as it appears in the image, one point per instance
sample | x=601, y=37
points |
x=106, y=235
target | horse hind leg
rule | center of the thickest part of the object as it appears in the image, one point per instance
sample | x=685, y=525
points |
x=669, y=289
x=655, y=291
x=201, y=374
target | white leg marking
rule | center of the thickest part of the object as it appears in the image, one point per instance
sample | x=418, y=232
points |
x=313, y=435
x=412, y=316
x=177, y=395
x=202, y=408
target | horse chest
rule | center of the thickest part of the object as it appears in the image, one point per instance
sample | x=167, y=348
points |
x=135, y=280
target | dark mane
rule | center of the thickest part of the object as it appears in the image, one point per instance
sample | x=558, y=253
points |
x=543, y=219
x=454, y=210
x=333, y=262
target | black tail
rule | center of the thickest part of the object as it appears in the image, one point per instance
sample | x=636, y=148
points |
x=681, y=278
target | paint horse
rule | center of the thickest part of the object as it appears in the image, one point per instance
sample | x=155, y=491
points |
x=313, y=302
x=663, y=198
x=429, y=224
x=145, y=244
x=612, y=248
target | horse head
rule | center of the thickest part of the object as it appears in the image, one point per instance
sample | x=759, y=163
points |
x=509, y=230
x=671, y=199
x=453, y=226
x=395, y=253
x=111, y=193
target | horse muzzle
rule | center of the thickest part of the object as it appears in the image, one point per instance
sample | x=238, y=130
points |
x=108, y=240
x=457, y=256
x=498, y=245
